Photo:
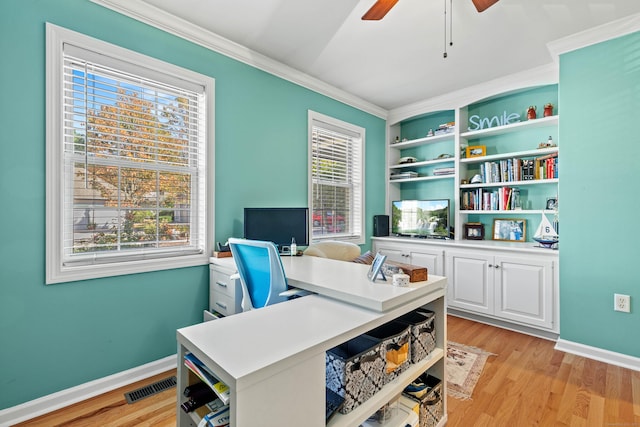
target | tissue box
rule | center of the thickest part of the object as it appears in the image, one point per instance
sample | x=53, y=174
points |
x=415, y=272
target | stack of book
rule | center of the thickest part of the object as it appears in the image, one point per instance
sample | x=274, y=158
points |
x=444, y=171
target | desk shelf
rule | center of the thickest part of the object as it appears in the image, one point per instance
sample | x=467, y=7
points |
x=277, y=372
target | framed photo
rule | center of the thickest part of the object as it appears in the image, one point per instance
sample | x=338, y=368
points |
x=474, y=231
x=476, y=151
x=552, y=203
x=511, y=230
x=376, y=267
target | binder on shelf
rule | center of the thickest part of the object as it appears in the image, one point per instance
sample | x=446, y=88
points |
x=198, y=368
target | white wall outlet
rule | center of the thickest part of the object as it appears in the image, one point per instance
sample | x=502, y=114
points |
x=622, y=303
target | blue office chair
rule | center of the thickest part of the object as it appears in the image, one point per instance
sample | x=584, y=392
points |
x=261, y=273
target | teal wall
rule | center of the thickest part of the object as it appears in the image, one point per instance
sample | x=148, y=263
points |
x=58, y=336
x=600, y=97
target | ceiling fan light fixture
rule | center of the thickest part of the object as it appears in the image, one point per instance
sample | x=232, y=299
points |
x=379, y=10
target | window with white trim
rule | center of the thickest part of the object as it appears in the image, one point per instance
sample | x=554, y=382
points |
x=128, y=156
x=336, y=179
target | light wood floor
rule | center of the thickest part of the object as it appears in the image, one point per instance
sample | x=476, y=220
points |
x=527, y=383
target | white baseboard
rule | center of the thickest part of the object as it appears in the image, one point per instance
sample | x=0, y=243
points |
x=60, y=399
x=595, y=353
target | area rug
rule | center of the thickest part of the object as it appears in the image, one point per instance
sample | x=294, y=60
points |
x=464, y=366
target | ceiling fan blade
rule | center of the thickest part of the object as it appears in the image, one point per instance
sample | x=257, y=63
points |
x=483, y=5
x=379, y=10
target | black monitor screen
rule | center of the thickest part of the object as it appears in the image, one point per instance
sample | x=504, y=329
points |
x=277, y=225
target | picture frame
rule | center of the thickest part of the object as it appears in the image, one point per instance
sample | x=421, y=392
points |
x=552, y=203
x=509, y=229
x=474, y=231
x=476, y=151
x=376, y=268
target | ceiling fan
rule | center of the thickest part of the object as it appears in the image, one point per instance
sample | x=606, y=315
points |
x=381, y=7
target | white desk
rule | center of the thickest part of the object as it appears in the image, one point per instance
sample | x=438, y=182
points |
x=273, y=359
x=345, y=281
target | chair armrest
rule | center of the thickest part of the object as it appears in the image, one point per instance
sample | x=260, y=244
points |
x=294, y=292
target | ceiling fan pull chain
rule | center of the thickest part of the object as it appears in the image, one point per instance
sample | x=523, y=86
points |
x=450, y=22
x=444, y=55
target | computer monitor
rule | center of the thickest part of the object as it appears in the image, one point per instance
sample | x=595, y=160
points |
x=277, y=225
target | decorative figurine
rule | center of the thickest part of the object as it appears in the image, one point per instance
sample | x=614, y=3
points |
x=548, y=110
x=430, y=133
x=531, y=112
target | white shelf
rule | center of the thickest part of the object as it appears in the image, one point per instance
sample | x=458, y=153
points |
x=514, y=154
x=423, y=141
x=423, y=163
x=506, y=212
x=388, y=392
x=498, y=130
x=510, y=183
x=422, y=178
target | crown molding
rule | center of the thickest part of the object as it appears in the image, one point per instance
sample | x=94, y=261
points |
x=539, y=76
x=601, y=33
x=151, y=15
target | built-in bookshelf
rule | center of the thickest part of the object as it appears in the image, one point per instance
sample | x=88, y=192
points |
x=488, y=158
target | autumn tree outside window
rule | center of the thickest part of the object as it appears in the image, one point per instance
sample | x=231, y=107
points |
x=131, y=149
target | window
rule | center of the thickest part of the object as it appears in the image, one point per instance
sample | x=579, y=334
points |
x=336, y=187
x=128, y=153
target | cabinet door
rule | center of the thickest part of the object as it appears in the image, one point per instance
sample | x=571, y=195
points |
x=393, y=254
x=470, y=276
x=524, y=290
x=432, y=259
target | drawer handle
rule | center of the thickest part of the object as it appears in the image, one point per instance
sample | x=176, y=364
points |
x=221, y=305
x=224, y=285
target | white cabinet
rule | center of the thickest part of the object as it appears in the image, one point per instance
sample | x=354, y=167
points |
x=225, y=293
x=420, y=255
x=518, y=288
x=510, y=285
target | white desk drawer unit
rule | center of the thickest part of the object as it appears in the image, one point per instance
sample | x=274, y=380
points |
x=225, y=294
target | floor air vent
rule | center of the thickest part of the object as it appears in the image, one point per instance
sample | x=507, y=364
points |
x=150, y=390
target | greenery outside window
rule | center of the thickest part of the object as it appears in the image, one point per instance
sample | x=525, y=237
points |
x=336, y=184
x=127, y=161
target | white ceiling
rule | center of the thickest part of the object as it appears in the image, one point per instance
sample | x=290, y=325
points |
x=399, y=60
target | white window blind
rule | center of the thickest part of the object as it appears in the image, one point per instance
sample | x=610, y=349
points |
x=336, y=179
x=132, y=164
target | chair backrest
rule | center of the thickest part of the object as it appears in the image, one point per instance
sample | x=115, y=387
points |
x=261, y=273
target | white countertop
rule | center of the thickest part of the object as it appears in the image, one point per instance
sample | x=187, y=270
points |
x=526, y=247
x=347, y=282
x=254, y=343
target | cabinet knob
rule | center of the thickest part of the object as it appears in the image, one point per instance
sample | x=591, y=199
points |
x=496, y=266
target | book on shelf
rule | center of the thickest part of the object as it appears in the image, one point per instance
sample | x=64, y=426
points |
x=481, y=199
x=218, y=418
x=198, y=368
x=444, y=171
x=511, y=170
x=546, y=167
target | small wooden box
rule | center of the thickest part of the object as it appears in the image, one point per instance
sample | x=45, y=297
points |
x=415, y=273
x=225, y=254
